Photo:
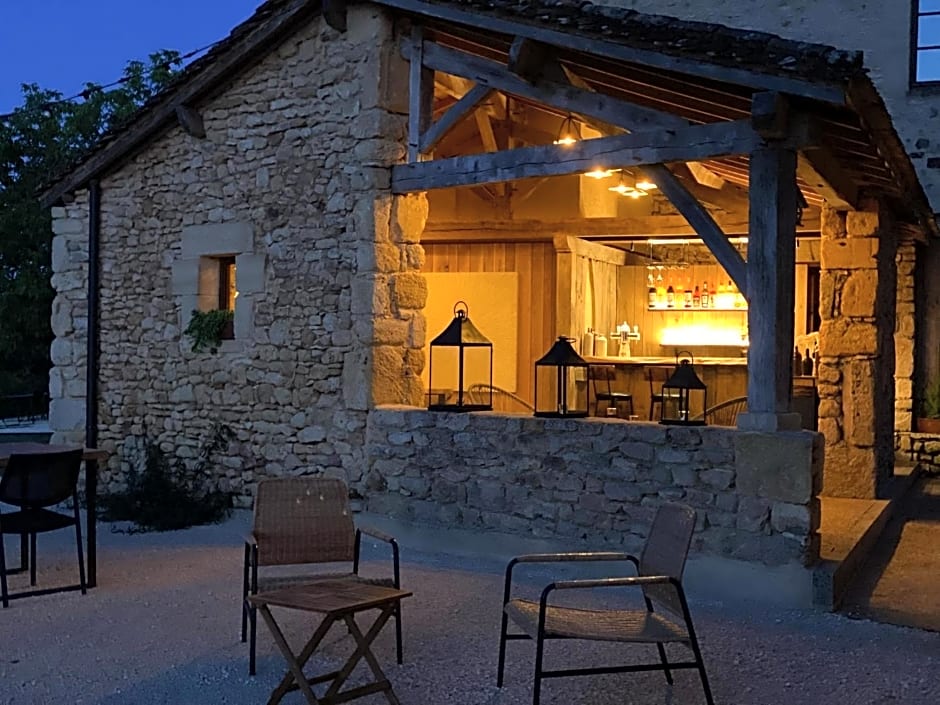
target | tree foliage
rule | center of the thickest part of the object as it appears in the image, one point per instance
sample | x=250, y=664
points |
x=39, y=140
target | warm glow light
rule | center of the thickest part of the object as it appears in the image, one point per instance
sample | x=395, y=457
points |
x=703, y=335
x=600, y=173
x=645, y=185
x=621, y=188
x=569, y=132
x=566, y=140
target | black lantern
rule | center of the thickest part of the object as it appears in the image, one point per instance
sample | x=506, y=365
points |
x=557, y=373
x=685, y=396
x=463, y=352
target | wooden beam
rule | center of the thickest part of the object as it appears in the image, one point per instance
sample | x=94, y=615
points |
x=420, y=94
x=705, y=176
x=823, y=173
x=591, y=44
x=700, y=219
x=565, y=97
x=528, y=59
x=770, y=115
x=334, y=12
x=163, y=111
x=467, y=103
x=191, y=121
x=690, y=143
x=771, y=254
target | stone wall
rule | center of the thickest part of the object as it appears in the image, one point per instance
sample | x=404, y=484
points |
x=920, y=449
x=904, y=338
x=858, y=297
x=295, y=163
x=881, y=29
x=597, y=482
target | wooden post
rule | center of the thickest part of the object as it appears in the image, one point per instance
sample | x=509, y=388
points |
x=421, y=94
x=771, y=255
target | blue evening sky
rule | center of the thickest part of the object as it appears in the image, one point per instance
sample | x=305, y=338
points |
x=62, y=44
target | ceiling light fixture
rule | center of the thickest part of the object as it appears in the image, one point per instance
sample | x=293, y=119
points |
x=569, y=132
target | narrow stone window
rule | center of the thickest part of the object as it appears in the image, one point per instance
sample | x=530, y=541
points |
x=925, y=42
x=227, y=289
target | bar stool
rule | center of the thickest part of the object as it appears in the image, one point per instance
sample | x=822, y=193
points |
x=657, y=375
x=604, y=374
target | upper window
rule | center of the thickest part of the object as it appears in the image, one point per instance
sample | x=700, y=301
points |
x=925, y=55
x=227, y=290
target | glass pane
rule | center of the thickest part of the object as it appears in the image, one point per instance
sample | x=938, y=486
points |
x=929, y=6
x=928, y=31
x=928, y=65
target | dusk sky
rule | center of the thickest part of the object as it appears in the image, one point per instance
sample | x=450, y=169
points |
x=62, y=44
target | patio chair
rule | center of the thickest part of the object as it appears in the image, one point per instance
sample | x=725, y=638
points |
x=602, y=377
x=35, y=482
x=503, y=400
x=666, y=618
x=724, y=413
x=304, y=521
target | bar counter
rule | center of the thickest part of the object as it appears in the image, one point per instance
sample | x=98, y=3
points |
x=725, y=378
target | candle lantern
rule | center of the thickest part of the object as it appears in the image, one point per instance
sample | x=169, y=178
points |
x=459, y=357
x=685, y=396
x=557, y=376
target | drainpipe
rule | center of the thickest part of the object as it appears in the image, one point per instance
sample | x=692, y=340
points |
x=91, y=376
x=91, y=359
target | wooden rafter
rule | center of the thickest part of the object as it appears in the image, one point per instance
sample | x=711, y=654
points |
x=467, y=103
x=420, y=94
x=637, y=149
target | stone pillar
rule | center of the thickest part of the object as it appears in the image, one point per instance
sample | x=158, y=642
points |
x=69, y=321
x=904, y=340
x=856, y=350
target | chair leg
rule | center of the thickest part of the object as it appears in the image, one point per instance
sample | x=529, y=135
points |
x=81, y=551
x=398, y=640
x=693, y=642
x=245, y=595
x=664, y=662
x=32, y=560
x=539, y=652
x=252, y=638
x=4, y=595
x=24, y=552
x=502, y=650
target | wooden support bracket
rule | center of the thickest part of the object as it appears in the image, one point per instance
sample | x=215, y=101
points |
x=191, y=121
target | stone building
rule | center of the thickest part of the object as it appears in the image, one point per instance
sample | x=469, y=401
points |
x=326, y=163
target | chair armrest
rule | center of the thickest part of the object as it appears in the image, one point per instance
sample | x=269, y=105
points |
x=573, y=557
x=375, y=533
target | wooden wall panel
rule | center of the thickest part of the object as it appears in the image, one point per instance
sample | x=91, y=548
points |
x=535, y=264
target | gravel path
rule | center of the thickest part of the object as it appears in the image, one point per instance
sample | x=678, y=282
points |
x=162, y=627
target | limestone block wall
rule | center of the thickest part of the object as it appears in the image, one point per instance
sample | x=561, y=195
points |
x=881, y=29
x=597, y=482
x=922, y=449
x=904, y=338
x=858, y=297
x=295, y=162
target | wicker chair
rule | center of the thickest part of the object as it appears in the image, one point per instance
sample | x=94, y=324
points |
x=666, y=618
x=502, y=400
x=304, y=521
x=725, y=413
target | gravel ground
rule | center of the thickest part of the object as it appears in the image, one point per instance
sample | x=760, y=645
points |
x=162, y=627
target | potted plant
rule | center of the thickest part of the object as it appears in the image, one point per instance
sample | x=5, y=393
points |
x=209, y=328
x=929, y=419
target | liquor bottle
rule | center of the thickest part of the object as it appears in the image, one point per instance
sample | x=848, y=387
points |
x=797, y=362
x=807, y=365
x=705, y=299
x=721, y=297
x=680, y=294
x=670, y=296
x=651, y=296
x=688, y=299
x=696, y=298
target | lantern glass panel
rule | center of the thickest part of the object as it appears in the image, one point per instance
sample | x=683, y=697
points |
x=461, y=356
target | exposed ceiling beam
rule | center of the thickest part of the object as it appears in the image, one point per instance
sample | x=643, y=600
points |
x=420, y=94
x=640, y=148
x=468, y=102
x=822, y=172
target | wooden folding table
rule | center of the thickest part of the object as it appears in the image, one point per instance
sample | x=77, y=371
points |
x=338, y=601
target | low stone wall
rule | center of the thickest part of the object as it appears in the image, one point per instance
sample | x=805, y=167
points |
x=922, y=449
x=597, y=482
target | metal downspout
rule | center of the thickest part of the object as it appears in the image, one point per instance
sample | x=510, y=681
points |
x=91, y=360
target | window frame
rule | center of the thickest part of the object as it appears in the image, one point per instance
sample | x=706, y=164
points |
x=916, y=14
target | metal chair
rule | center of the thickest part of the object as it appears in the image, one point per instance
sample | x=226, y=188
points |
x=602, y=377
x=304, y=521
x=666, y=618
x=657, y=375
x=35, y=482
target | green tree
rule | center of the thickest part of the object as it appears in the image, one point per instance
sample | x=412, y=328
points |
x=38, y=141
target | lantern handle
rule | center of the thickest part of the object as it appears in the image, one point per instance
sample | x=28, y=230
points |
x=684, y=352
x=461, y=312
